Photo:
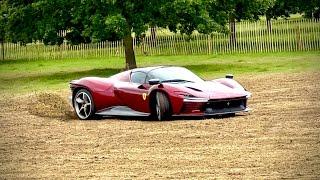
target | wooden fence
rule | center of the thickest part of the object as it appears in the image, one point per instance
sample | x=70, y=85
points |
x=250, y=37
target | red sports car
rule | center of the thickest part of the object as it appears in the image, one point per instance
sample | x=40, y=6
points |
x=159, y=92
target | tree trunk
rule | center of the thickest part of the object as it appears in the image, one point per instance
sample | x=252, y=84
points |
x=2, y=49
x=233, y=38
x=129, y=52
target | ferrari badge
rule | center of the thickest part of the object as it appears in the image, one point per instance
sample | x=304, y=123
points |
x=144, y=96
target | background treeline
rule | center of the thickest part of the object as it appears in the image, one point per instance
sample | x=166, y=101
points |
x=96, y=22
x=250, y=37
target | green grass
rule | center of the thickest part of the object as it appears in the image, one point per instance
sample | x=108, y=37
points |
x=21, y=76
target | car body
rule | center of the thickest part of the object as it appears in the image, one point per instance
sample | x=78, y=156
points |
x=160, y=92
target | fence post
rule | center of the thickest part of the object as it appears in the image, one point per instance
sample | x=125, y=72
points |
x=209, y=44
x=299, y=44
x=315, y=38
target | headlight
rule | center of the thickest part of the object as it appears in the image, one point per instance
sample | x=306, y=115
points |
x=187, y=96
x=191, y=98
x=184, y=94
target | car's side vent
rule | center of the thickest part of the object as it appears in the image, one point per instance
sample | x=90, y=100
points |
x=195, y=89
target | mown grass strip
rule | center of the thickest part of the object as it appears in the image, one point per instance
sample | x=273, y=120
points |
x=37, y=75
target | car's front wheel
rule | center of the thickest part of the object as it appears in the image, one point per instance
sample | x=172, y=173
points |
x=162, y=107
x=83, y=104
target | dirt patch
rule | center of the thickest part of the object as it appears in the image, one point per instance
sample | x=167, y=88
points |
x=280, y=138
x=51, y=105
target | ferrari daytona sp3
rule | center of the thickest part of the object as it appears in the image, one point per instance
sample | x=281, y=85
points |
x=159, y=92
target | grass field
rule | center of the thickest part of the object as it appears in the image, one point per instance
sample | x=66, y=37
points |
x=39, y=75
x=41, y=138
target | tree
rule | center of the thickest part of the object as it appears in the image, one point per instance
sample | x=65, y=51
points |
x=3, y=20
x=238, y=10
x=280, y=8
x=311, y=8
x=283, y=8
x=98, y=20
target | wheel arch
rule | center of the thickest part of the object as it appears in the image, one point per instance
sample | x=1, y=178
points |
x=78, y=88
x=152, y=99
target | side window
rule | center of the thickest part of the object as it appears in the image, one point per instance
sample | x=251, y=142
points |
x=150, y=76
x=138, y=77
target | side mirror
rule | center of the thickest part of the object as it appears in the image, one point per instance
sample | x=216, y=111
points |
x=229, y=76
x=154, y=81
x=141, y=87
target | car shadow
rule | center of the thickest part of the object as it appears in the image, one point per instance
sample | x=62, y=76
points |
x=173, y=118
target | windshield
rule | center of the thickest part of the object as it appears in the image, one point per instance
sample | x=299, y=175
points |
x=173, y=74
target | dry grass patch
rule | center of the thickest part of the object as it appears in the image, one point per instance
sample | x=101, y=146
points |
x=51, y=105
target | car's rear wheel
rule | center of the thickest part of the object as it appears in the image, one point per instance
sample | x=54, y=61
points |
x=83, y=104
x=162, y=107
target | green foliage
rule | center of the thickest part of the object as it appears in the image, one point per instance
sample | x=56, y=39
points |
x=252, y=37
x=99, y=20
x=187, y=16
x=18, y=19
x=283, y=8
x=87, y=21
x=311, y=8
x=243, y=9
x=3, y=19
x=93, y=21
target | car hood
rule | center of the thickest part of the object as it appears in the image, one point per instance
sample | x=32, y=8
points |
x=211, y=90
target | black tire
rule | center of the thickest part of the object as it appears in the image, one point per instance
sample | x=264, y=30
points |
x=231, y=114
x=162, y=106
x=83, y=104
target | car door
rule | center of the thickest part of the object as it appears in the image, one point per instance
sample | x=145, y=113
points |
x=135, y=93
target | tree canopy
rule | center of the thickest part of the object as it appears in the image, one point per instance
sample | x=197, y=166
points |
x=283, y=8
x=88, y=21
x=245, y=9
x=3, y=15
x=98, y=20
